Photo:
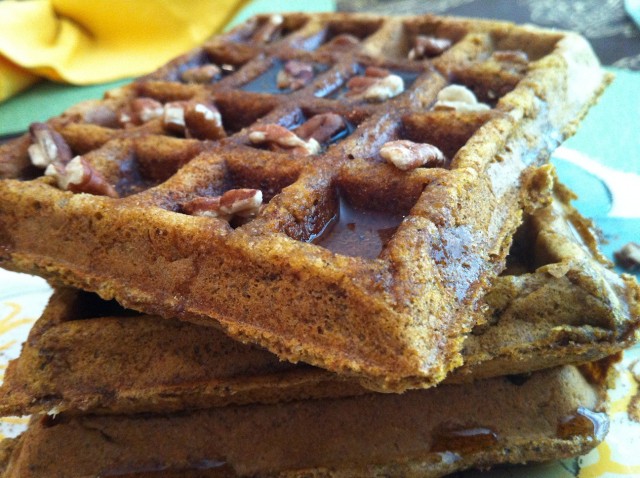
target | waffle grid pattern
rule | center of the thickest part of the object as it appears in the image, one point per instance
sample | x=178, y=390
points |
x=395, y=317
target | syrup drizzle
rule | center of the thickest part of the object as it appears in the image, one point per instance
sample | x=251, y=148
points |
x=464, y=440
x=585, y=422
x=358, y=232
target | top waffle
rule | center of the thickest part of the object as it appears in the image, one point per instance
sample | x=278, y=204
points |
x=244, y=184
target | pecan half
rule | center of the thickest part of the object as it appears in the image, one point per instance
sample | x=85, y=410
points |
x=510, y=56
x=202, y=74
x=377, y=84
x=243, y=202
x=269, y=29
x=294, y=75
x=204, y=206
x=278, y=137
x=204, y=122
x=342, y=42
x=140, y=111
x=376, y=72
x=79, y=176
x=48, y=146
x=407, y=155
x=193, y=120
x=428, y=46
x=321, y=127
x=458, y=98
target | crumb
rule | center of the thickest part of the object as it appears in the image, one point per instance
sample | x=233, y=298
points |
x=628, y=257
x=634, y=405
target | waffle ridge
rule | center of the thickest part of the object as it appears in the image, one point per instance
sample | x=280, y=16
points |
x=394, y=316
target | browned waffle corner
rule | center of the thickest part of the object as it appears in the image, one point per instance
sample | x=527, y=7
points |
x=250, y=185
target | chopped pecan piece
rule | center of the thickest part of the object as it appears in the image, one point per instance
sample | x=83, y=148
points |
x=628, y=257
x=202, y=74
x=269, y=29
x=342, y=42
x=193, y=120
x=243, y=202
x=428, y=46
x=458, y=98
x=48, y=146
x=377, y=84
x=510, y=56
x=278, y=137
x=321, y=127
x=204, y=206
x=407, y=155
x=376, y=72
x=173, y=117
x=79, y=176
x=140, y=111
x=294, y=75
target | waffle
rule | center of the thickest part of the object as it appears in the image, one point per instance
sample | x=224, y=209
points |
x=427, y=433
x=207, y=192
x=88, y=355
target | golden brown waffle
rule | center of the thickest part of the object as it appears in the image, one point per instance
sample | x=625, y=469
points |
x=386, y=291
x=88, y=355
x=428, y=433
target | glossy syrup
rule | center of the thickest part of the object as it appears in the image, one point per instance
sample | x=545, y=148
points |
x=464, y=440
x=358, y=232
x=585, y=422
x=267, y=82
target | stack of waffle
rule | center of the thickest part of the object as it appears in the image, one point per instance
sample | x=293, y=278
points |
x=367, y=195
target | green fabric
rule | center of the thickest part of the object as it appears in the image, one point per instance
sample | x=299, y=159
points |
x=44, y=100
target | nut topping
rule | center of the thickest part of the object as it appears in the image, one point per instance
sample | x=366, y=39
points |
x=204, y=206
x=376, y=72
x=321, y=127
x=428, y=46
x=278, y=137
x=140, y=110
x=294, y=75
x=407, y=155
x=458, y=98
x=203, y=74
x=342, y=42
x=193, y=120
x=173, y=117
x=269, y=29
x=204, y=122
x=79, y=176
x=377, y=84
x=245, y=203
x=629, y=256
x=510, y=56
x=48, y=146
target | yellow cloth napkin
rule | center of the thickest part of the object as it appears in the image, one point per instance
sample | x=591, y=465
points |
x=85, y=42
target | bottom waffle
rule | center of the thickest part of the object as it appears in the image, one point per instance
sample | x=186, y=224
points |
x=552, y=414
x=557, y=304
